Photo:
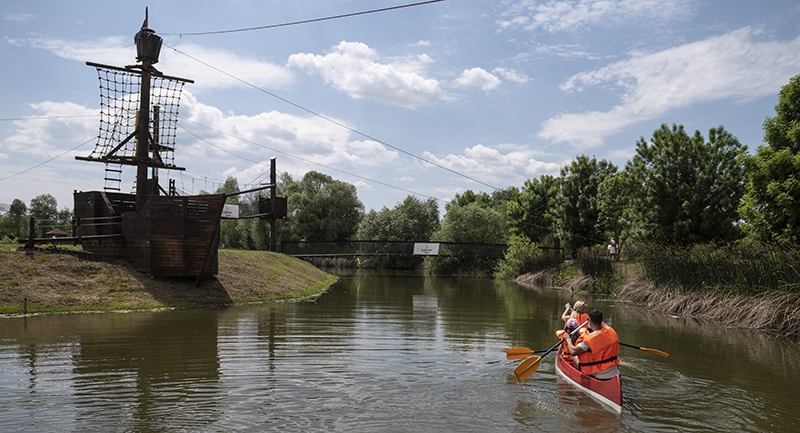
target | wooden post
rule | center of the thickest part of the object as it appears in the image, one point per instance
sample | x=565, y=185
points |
x=273, y=219
x=31, y=233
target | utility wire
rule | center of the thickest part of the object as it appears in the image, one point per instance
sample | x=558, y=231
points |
x=342, y=125
x=313, y=20
x=51, y=159
x=291, y=156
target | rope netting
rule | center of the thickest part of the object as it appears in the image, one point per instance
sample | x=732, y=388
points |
x=119, y=105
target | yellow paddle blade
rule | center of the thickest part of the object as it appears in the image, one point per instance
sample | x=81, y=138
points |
x=518, y=353
x=527, y=367
x=656, y=351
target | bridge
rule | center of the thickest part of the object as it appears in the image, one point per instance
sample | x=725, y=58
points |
x=357, y=248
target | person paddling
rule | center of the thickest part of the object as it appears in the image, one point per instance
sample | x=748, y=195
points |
x=578, y=312
x=595, y=352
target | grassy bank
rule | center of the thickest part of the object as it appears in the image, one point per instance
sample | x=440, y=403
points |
x=66, y=279
x=775, y=311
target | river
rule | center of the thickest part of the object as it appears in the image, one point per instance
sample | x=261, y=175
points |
x=384, y=352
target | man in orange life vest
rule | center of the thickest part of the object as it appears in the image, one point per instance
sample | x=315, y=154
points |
x=596, y=350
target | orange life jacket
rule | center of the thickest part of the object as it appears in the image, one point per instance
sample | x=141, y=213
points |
x=605, y=347
x=581, y=318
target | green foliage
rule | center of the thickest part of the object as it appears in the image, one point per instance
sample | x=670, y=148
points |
x=411, y=220
x=534, y=212
x=684, y=190
x=612, y=200
x=321, y=208
x=523, y=256
x=579, y=210
x=744, y=267
x=771, y=206
x=13, y=224
x=44, y=209
x=472, y=223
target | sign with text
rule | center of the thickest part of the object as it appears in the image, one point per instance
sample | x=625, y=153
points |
x=426, y=249
x=230, y=211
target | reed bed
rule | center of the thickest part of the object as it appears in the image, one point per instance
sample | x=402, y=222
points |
x=746, y=269
x=774, y=312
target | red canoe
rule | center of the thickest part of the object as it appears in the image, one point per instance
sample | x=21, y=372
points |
x=608, y=392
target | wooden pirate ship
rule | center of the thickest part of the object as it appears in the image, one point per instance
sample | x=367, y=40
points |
x=160, y=232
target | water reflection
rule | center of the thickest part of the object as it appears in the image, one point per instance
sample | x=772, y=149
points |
x=381, y=352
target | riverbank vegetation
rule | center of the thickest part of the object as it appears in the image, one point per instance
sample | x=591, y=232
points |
x=66, y=279
x=696, y=215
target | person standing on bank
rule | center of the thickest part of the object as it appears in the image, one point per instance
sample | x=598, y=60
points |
x=612, y=250
x=595, y=352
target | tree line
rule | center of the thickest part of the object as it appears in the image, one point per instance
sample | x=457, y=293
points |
x=679, y=190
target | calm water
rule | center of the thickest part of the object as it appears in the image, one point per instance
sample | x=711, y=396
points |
x=382, y=354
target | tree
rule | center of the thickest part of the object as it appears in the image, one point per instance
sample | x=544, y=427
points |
x=579, y=212
x=498, y=199
x=612, y=200
x=771, y=205
x=472, y=223
x=230, y=234
x=684, y=190
x=410, y=220
x=44, y=209
x=323, y=209
x=14, y=224
x=534, y=213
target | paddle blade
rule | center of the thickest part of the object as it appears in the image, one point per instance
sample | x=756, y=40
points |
x=656, y=351
x=527, y=367
x=518, y=353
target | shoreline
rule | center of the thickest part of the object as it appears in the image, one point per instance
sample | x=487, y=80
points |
x=773, y=313
x=66, y=279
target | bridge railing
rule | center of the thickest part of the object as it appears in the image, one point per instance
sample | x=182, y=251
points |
x=355, y=248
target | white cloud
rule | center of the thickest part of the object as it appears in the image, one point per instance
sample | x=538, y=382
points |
x=731, y=66
x=57, y=127
x=478, y=77
x=355, y=68
x=572, y=15
x=490, y=165
x=248, y=69
x=19, y=17
x=230, y=139
x=511, y=75
x=217, y=70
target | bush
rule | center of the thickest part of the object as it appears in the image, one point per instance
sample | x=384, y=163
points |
x=524, y=256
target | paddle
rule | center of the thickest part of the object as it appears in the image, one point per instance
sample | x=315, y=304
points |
x=522, y=352
x=529, y=366
x=646, y=349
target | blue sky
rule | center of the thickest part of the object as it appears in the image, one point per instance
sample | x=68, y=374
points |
x=429, y=100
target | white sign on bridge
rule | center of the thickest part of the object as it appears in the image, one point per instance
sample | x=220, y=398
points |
x=426, y=249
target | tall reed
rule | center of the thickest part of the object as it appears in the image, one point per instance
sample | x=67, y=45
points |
x=738, y=268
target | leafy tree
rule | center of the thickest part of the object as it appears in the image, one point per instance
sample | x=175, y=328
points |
x=322, y=209
x=230, y=234
x=684, y=190
x=771, y=205
x=534, y=213
x=578, y=209
x=411, y=220
x=472, y=223
x=497, y=199
x=44, y=209
x=14, y=223
x=612, y=200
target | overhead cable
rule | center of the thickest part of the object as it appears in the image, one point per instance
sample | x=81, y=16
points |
x=247, y=29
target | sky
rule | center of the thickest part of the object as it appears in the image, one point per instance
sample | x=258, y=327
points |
x=428, y=100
